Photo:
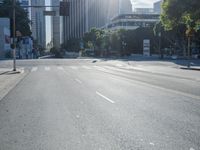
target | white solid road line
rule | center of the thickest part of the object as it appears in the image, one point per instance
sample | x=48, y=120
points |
x=34, y=69
x=79, y=81
x=106, y=98
x=47, y=68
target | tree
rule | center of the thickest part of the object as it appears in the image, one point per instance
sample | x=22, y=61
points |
x=183, y=16
x=73, y=44
x=176, y=12
x=22, y=20
x=95, y=36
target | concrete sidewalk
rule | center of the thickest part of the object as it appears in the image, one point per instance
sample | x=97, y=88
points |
x=9, y=79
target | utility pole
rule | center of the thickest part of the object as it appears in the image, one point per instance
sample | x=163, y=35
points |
x=189, y=40
x=14, y=35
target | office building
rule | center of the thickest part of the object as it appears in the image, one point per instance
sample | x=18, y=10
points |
x=5, y=40
x=38, y=22
x=133, y=21
x=86, y=14
x=75, y=25
x=56, y=25
x=158, y=7
x=143, y=11
x=125, y=7
x=24, y=3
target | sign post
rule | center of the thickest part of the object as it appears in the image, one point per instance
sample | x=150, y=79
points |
x=14, y=34
x=146, y=47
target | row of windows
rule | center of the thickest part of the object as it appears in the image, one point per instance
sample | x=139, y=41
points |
x=137, y=16
x=141, y=24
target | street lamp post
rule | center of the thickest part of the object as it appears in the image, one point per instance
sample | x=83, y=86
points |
x=189, y=34
x=160, y=50
x=189, y=41
x=14, y=35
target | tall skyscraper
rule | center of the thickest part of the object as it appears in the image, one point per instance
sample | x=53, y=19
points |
x=75, y=25
x=38, y=22
x=158, y=7
x=56, y=24
x=86, y=14
x=125, y=7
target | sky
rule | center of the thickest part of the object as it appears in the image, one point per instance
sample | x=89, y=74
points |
x=135, y=3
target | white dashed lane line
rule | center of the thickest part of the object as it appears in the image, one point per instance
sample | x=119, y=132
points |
x=104, y=97
x=78, y=81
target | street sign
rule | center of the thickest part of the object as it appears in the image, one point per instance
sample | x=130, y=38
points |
x=146, y=47
x=49, y=13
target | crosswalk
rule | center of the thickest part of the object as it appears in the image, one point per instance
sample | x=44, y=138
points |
x=34, y=69
x=77, y=68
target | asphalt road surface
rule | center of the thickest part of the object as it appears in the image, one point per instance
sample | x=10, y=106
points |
x=82, y=105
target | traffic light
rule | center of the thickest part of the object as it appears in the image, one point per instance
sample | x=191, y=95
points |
x=64, y=8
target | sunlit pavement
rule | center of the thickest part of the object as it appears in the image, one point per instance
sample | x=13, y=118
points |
x=92, y=104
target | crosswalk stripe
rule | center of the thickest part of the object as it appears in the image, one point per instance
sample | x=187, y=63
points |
x=47, y=68
x=34, y=69
x=86, y=67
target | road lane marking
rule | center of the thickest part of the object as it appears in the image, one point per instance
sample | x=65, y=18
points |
x=152, y=144
x=60, y=68
x=22, y=70
x=119, y=65
x=151, y=85
x=34, y=69
x=79, y=81
x=86, y=67
x=47, y=68
x=74, y=67
x=99, y=68
x=106, y=98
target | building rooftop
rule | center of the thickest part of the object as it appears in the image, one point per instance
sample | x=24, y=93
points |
x=136, y=16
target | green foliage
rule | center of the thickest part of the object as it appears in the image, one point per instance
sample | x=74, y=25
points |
x=95, y=36
x=72, y=45
x=22, y=20
x=123, y=42
x=176, y=12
